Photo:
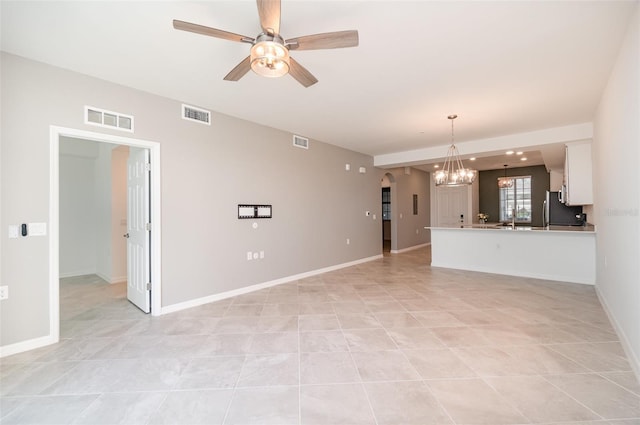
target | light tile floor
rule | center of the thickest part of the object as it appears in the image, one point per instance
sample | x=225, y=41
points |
x=391, y=341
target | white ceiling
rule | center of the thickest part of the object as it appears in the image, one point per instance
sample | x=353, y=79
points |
x=504, y=67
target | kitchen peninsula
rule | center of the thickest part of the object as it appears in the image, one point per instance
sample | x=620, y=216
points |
x=560, y=253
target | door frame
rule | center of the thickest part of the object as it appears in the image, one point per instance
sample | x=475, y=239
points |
x=394, y=211
x=55, y=132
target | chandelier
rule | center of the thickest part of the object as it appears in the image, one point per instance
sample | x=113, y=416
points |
x=505, y=182
x=453, y=172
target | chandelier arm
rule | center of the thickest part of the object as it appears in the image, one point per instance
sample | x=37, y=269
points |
x=458, y=160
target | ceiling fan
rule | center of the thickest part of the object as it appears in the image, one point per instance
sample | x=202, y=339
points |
x=270, y=51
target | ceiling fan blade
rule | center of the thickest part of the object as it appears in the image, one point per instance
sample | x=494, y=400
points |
x=240, y=70
x=212, y=32
x=269, y=11
x=327, y=40
x=301, y=74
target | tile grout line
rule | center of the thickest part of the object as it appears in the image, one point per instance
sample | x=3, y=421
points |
x=573, y=398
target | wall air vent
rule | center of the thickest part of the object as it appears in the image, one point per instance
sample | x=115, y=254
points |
x=300, y=142
x=191, y=113
x=108, y=119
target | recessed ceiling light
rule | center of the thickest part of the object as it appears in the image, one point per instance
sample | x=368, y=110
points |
x=436, y=166
x=519, y=153
x=509, y=152
x=524, y=158
x=472, y=159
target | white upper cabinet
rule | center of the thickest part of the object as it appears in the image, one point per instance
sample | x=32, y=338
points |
x=578, y=178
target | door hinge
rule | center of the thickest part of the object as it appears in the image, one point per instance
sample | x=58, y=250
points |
x=148, y=286
x=147, y=227
x=147, y=166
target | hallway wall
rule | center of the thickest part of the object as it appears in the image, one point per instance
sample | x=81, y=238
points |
x=93, y=209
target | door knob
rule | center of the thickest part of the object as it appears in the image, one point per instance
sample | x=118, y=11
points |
x=126, y=235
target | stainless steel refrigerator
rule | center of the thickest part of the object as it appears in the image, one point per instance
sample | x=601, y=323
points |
x=558, y=214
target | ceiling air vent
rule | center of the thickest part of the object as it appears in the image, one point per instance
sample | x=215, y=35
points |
x=109, y=119
x=300, y=142
x=191, y=113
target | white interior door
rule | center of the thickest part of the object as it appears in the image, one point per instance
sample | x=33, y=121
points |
x=452, y=204
x=138, y=229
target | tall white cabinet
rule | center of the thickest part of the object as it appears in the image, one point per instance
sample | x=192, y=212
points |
x=578, y=180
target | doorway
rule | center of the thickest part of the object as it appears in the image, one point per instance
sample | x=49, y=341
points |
x=452, y=206
x=152, y=280
x=388, y=219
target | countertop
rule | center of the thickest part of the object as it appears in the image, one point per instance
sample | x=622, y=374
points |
x=589, y=228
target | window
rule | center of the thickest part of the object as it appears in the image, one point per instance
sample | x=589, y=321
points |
x=516, y=199
x=386, y=203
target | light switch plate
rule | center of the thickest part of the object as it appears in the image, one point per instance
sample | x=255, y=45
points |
x=37, y=229
x=13, y=231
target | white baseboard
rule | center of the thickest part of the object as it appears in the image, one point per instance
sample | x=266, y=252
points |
x=634, y=361
x=77, y=273
x=240, y=291
x=117, y=279
x=111, y=280
x=411, y=248
x=30, y=344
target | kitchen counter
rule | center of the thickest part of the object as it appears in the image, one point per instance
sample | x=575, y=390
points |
x=561, y=253
x=498, y=226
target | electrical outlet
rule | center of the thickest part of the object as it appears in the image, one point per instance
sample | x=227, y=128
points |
x=249, y=256
x=4, y=292
x=261, y=255
x=348, y=241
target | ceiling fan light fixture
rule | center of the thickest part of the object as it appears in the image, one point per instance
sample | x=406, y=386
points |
x=269, y=56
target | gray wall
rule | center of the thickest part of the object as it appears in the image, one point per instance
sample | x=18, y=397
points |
x=490, y=194
x=206, y=172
